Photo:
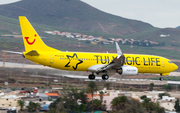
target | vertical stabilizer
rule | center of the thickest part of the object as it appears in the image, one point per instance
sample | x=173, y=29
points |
x=32, y=40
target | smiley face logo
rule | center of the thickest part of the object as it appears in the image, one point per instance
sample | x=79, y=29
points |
x=30, y=43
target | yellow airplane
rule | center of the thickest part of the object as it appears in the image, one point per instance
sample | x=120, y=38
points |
x=124, y=64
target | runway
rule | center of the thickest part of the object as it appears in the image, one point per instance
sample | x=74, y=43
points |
x=84, y=75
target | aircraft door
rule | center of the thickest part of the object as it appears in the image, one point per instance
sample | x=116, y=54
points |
x=163, y=63
x=51, y=59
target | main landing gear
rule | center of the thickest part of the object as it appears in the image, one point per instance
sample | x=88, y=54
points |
x=105, y=76
x=92, y=76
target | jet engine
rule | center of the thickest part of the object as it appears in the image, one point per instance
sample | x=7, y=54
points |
x=127, y=70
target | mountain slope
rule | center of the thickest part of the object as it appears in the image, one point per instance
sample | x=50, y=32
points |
x=178, y=27
x=73, y=14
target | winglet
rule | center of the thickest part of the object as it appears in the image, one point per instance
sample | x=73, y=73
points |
x=119, y=52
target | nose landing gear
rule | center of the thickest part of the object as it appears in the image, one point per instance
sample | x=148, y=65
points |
x=161, y=79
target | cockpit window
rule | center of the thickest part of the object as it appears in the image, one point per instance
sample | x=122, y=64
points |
x=169, y=61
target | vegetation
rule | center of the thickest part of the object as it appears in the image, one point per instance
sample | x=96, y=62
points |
x=168, y=87
x=123, y=105
x=32, y=107
x=92, y=87
x=101, y=94
x=163, y=94
x=176, y=106
x=143, y=97
x=71, y=97
x=151, y=86
x=48, y=84
x=21, y=103
x=152, y=107
x=107, y=85
x=86, y=24
x=71, y=101
x=170, y=78
x=132, y=106
x=59, y=42
x=52, y=110
x=11, y=80
x=146, y=103
x=118, y=103
x=97, y=105
x=57, y=106
x=178, y=87
x=78, y=15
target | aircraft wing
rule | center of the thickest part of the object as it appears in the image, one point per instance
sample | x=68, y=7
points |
x=116, y=63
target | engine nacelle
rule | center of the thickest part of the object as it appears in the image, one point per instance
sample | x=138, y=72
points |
x=127, y=70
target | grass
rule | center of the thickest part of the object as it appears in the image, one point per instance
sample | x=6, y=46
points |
x=147, y=50
x=170, y=78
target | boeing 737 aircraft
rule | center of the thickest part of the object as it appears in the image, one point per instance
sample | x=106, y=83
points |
x=96, y=63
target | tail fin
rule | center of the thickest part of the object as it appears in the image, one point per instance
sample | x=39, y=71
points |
x=32, y=40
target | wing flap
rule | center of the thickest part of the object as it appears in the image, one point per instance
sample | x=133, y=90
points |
x=96, y=68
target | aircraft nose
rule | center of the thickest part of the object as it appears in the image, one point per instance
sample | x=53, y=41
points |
x=175, y=67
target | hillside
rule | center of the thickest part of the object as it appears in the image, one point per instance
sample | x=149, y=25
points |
x=73, y=14
x=178, y=27
x=171, y=48
x=43, y=17
x=167, y=35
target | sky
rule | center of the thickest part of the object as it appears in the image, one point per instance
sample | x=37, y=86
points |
x=159, y=13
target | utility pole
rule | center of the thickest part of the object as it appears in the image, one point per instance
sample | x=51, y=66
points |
x=47, y=82
x=4, y=60
x=79, y=43
x=120, y=81
x=131, y=45
x=23, y=69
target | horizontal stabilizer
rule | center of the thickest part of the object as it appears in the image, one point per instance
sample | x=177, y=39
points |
x=33, y=53
x=12, y=52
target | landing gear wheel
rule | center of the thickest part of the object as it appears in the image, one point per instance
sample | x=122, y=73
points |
x=92, y=77
x=161, y=79
x=105, y=77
